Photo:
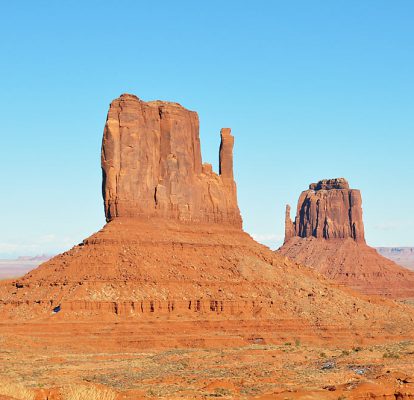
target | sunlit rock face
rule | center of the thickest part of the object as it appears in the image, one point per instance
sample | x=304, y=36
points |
x=329, y=209
x=151, y=163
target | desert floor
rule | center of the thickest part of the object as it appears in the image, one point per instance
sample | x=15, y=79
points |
x=110, y=361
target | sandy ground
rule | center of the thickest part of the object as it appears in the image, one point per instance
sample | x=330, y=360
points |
x=38, y=360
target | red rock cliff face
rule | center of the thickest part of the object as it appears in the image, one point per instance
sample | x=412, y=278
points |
x=151, y=163
x=328, y=210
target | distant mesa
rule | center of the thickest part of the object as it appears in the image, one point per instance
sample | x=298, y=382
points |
x=328, y=235
x=401, y=255
x=151, y=163
x=14, y=268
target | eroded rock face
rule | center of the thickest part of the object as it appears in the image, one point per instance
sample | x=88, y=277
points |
x=151, y=163
x=328, y=210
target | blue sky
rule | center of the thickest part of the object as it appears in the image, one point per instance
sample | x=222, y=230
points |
x=311, y=90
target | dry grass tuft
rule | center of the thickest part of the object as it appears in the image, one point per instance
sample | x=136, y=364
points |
x=15, y=390
x=82, y=392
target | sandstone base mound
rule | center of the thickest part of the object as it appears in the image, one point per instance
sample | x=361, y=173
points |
x=353, y=264
x=140, y=269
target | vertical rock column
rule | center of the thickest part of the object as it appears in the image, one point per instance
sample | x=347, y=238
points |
x=226, y=155
x=289, y=226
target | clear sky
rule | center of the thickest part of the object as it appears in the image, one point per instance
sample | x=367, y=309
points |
x=311, y=90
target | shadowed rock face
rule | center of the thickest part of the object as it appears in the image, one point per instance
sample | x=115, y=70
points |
x=328, y=210
x=151, y=163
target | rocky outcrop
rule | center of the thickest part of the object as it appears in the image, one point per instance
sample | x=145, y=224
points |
x=151, y=163
x=328, y=235
x=328, y=210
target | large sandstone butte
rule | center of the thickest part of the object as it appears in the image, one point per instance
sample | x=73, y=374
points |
x=173, y=249
x=151, y=163
x=328, y=235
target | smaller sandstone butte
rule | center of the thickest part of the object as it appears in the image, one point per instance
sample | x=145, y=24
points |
x=328, y=235
x=328, y=210
x=152, y=167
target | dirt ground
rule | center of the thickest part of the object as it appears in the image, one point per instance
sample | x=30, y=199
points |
x=77, y=362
